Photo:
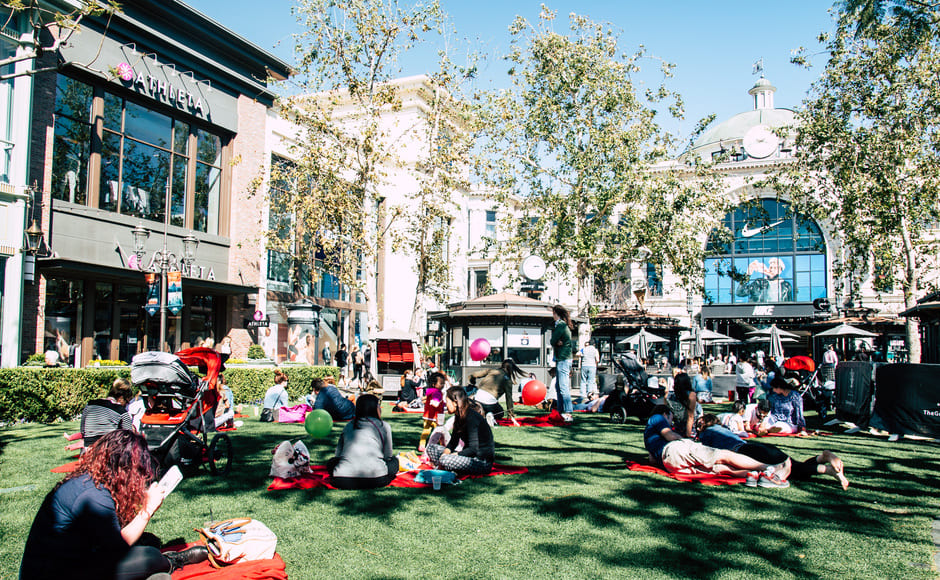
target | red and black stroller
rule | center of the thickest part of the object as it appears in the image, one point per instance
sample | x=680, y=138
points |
x=815, y=392
x=180, y=408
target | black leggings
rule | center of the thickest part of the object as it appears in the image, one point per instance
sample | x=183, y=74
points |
x=364, y=482
x=771, y=455
x=141, y=562
x=495, y=408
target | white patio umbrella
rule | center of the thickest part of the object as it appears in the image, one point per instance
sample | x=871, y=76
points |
x=776, y=348
x=765, y=332
x=755, y=339
x=642, y=339
x=698, y=348
x=707, y=336
x=847, y=330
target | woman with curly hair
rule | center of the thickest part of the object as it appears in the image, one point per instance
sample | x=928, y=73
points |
x=91, y=524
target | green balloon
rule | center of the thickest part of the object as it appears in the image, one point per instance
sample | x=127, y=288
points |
x=318, y=423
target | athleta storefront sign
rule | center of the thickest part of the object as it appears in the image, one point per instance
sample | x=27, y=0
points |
x=161, y=90
x=154, y=76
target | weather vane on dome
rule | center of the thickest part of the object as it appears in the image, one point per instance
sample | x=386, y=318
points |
x=758, y=67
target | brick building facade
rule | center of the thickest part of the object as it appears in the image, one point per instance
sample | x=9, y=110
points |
x=153, y=125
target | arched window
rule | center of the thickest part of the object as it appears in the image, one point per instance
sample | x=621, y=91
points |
x=775, y=256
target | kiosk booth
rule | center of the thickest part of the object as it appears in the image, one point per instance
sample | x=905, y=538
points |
x=394, y=352
x=516, y=327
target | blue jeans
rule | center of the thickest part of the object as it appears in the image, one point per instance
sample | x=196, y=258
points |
x=563, y=386
x=588, y=380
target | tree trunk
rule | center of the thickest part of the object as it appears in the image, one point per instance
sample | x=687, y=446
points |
x=910, y=299
x=370, y=269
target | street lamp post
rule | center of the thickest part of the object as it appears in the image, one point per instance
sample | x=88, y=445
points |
x=165, y=261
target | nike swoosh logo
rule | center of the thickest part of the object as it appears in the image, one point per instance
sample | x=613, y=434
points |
x=748, y=232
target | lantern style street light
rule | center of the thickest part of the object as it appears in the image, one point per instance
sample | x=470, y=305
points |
x=163, y=262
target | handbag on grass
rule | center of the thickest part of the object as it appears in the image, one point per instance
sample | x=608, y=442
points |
x=238, y=540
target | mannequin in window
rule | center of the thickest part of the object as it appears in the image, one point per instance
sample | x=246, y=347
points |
x=70, y=180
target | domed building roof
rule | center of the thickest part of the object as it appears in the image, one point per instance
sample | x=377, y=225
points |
x=732, y=131
x=734, y=128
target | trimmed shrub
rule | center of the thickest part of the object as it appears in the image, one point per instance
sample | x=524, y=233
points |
x=47, y=394
x=249, y=384
x=40, y=394
x=255, y=352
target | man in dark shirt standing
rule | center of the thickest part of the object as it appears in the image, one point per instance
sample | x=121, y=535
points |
x=342, y=359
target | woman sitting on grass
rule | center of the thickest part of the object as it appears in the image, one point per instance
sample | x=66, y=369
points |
x=275, y=397
x=712, y=434
x=91, y=525
x=364, y=456
x=786, y=407
x=329, y=398
x=471, y=427
x=684, y=404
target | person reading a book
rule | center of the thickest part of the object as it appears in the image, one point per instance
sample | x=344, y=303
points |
x=91, y=525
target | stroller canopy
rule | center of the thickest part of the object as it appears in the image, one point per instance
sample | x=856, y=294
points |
x=799, y=363
x=160, y=367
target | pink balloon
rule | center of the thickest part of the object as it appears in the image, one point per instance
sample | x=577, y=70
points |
x=479, y=349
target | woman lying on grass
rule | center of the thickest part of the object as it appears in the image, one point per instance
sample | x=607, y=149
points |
x=675, y=454
x=713, y=434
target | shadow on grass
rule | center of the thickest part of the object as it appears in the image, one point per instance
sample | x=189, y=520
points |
x=579, y=506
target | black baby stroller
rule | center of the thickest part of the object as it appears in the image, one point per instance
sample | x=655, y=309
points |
x=633, y=396
x=180, y=408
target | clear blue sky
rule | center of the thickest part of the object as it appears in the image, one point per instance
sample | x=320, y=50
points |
x=713, y=44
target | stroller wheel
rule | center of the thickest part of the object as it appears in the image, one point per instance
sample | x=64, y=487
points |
x=220, y=455
x=618, y=416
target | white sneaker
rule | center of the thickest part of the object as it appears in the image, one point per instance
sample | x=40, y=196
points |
x=568, y=418
x=770, y=479
x=752, y=478
x=490, y=420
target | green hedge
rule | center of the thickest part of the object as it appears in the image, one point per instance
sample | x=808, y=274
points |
x=40, y=394
x=44, y=395
x=250, y=383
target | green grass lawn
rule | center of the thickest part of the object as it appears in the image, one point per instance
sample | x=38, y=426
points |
x=578, y=513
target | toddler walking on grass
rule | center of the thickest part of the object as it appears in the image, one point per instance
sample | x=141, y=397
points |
x=433, y=407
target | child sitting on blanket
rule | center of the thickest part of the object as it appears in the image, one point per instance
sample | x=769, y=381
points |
x=735, y=419
x=433, y=407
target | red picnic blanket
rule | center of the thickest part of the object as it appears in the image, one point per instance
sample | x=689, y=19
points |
x=67, y=468
x=319, y=477
x=553, y=419
x=268, y=569
x=703, y=478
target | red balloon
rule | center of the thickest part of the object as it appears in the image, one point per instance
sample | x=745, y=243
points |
x=533, y=392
